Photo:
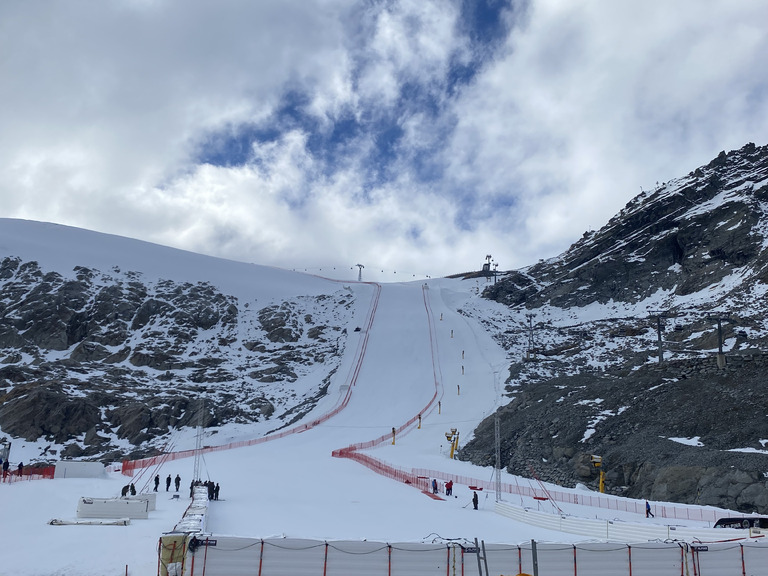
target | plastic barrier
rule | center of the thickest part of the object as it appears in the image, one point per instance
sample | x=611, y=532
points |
x=28, y=473
x=234, y=556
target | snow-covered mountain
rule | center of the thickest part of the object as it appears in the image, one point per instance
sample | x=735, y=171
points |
x=108, y=344
x=615, y=345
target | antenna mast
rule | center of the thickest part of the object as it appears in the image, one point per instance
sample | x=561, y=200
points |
x=360, y=272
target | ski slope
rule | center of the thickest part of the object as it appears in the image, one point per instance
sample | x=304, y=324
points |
x=415, y=354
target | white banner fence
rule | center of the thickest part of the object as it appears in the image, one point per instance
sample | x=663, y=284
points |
x=213, y=555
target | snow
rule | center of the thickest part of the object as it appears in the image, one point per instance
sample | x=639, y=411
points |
x=695, y=441
x=420, y=350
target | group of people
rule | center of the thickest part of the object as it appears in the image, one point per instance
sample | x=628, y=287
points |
x=6, y=465
x=449, y=491
x=448, y=487
x=176, y=482
x=211, y=486
x=128, y=488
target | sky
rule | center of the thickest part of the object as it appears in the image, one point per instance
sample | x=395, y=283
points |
x=291, y=486
x=413, y=137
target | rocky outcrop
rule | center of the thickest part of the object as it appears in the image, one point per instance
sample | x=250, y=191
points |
x=683, y=237
x=91, y=360
x=672, y=432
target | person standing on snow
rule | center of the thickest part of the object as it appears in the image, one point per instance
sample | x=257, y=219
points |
x=434, y=485
x=216, y=492
x=449, y=488
x=177, y=482
x=157, y=481
x=474, y=500
x=648, y=513
x=168, y=483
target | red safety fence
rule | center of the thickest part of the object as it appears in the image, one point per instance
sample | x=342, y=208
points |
x=129, y=466
x=695, y=513
x=28, y=473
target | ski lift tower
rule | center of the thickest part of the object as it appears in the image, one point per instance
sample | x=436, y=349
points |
x=198, y=441
x=360, y=272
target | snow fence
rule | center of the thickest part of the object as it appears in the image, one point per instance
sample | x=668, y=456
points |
x=215, y=555
x=618, y=531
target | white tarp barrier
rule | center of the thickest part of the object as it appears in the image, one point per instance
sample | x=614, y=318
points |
x=112, y=508
x=73, y=469
x=150, y=497
x=103, y=522
x=215, y=555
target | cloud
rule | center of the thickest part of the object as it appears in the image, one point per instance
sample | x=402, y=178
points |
x=411, y=135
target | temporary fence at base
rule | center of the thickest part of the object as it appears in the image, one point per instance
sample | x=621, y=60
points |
x=594, y=500
x=419, y=477
x=214, y=555
x=618, y=531
x=46, y=472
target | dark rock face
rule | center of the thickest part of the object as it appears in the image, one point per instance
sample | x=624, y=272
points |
x=684, y=269
x=551, y=429
x=683, y=237
x=101, y=357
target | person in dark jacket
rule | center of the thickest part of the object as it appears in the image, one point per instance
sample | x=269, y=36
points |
x=168, y=483
x=6, y=465
x=157, y=481
x=434, y=485
x=474, y=500
x=124, y=491
x=216, y=492
x=21, y=469
x=177, y=482
x=133, y=489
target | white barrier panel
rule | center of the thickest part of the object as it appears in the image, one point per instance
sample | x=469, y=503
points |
x=150, y=497
x=112, y=508
x=194, y=519
x=232, y=556
x=72, y=469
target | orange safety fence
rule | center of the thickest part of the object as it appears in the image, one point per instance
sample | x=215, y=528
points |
x=129, y=466
x=28, y=473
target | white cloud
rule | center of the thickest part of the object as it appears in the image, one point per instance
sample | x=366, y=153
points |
x=107, y=105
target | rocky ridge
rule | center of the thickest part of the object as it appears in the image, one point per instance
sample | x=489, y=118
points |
x=104, y=365
x=615, y=347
